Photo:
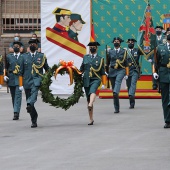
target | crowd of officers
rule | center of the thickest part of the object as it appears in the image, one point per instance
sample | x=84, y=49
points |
x=25, y=72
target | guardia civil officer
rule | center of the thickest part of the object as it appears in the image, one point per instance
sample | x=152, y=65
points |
x=133, y=55
x=31, y=72
x=160, y=37
x=162, y=70
x=93, y=71
x=118, y=69
x=1, y=72
x=12, y=68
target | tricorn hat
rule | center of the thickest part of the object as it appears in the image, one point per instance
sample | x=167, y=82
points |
x=61, y=11
x=131, y=39
x=93, y=44
x=159, y=27
x=117, y=38
x=76, y=17
x=31, y=41
x=17, y=42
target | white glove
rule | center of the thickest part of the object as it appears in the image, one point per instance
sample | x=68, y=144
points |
x=150, y=60
x=0, y=86
x=102, y=87
x=21, y=88
x=155, y=76
x=126, y=77
x=106, y=73
x=6, y=78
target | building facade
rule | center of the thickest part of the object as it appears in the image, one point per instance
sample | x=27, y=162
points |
x=18, y=16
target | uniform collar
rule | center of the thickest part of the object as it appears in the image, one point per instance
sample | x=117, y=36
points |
x=117, y=49
x=94, y=55
x=17, y=54
x=33, y=53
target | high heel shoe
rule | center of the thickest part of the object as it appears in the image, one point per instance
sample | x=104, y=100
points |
x=91, y=123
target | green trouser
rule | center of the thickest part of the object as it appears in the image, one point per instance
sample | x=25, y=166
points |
x=31, y=97
x=165, y=93
x=16, y=95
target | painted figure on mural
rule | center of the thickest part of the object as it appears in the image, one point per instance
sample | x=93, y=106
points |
x=63, y=19
x=76, y=25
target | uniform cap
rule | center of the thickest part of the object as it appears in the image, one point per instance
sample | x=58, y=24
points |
x=117, y=38
x=93, y=44
x=61, y=11
x=32, y=41
x=131, y=39
x=159, y=27
x=17, y=42
x=76, y=17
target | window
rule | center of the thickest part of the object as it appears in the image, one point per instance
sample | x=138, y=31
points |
x=21, y=16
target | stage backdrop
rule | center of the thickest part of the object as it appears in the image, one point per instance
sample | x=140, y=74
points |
x=57, y=44
x=123, y=18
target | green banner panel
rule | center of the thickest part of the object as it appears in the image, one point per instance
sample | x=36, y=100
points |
x=122, y=18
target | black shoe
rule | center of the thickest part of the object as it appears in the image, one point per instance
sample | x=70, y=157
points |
x=116, y=111
x=167, y=125
x=154, y=88
x=131, y=107
x=29, y=108
x=34, y=125
x=16, y=117
x=91, y=123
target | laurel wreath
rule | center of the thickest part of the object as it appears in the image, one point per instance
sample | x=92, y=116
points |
x=64, y=103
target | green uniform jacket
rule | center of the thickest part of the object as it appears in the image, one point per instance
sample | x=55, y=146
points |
x=133, y=60
x=13, y=66
x=73, y=35
x=163, y=58
x=1, y=66
x=87, y=63
x=31, y=75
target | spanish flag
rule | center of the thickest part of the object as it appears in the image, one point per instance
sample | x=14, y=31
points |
x=92, y=37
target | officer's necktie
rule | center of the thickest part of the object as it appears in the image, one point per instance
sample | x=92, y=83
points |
x=32, y=55
x=116, y=51
x=132, y=52
x=92, y=56
x=16, y=56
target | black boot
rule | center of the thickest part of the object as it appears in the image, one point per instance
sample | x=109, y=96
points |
x=16, y=116
x=116, y=102
x=132, y=102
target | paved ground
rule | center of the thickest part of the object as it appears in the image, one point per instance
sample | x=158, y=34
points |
x=131, y=140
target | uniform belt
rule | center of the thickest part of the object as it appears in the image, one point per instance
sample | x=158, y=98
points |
x=116, y=68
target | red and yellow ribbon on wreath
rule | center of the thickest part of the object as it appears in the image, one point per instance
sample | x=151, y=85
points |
x=69, y=66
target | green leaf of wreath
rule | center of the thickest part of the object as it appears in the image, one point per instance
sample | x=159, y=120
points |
x=57, y=102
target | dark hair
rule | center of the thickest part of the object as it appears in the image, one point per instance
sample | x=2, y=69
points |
x=58, y=17
x=34, y=34
x=72, y=21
